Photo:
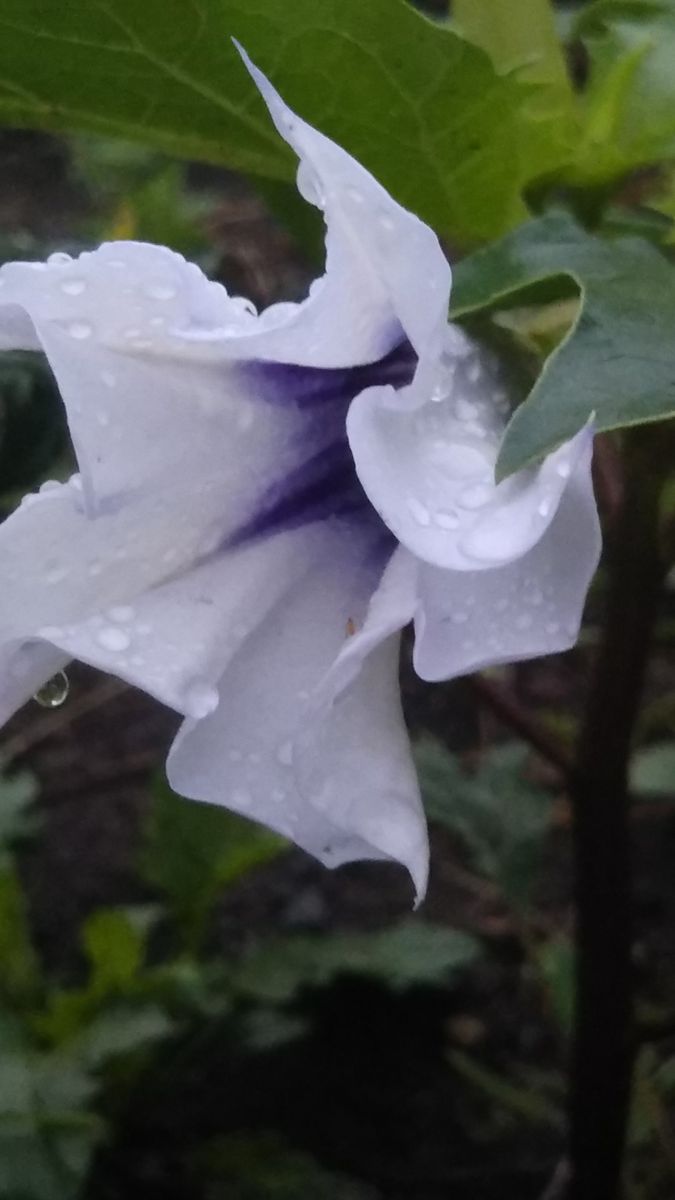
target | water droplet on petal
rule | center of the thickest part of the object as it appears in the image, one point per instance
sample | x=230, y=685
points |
x=56, y=575
x=387, y=223
x=419, y=511
x=552, y=627
x=80, y=330
x=54, y=692
x=121, y=613
x=285, y=754
x=201, y=699
x=59, y=258
x=459, y=616
x=476, y=495
x=73, y=287
x=113, y=639
x=108, y=378
x=465, y=410
x=160, y=291
x=564, y=469
x=544, y=507
x=50, y=485
x=240, y=799
x=447, y=520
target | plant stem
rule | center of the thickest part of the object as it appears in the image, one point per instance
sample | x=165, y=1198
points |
x=602, y=1055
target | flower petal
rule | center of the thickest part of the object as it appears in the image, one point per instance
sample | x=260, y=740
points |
x=331, y=771
x=426, y=459
x=385, y=270
x=142, y=417
x=470, y=620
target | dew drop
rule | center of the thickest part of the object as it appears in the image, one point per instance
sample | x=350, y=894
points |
x=240, y=798
x=73, y=287
x=54, y=692
x=56, y=575
x=113, y=639
x=459, y=616
x=387, y=224
x=476, y=495
x=108, y=378
x=278, y=795
x=474, y=372
x=285, y=754
x=447, y=520
x=355, y=195
x=465, y=410
x=418, y=511
x=552, y=627
x=544, y=507
x=564, y=469
x=59, y=258
x=121, y=613
x=49, y=485
x=160, y=291
x=80, y=330
x=201, y=699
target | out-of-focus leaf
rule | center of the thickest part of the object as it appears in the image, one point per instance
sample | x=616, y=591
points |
x=652, y=771
x=555, y=958
x=114, y=943
x=630, y=97
x=500, y=817
x=531, y=1107
x=32, y=422
x=521, y=38
x=47, y=1132
x=18, y=819
x=618, y=359
x=192, y=851
x=410, y=954
x=262, y=1167
x=424, y=109
x=19, y=968
x=120, y=1030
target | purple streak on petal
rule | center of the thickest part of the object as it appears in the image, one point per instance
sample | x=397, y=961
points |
x=325, y=484
x=315, y=387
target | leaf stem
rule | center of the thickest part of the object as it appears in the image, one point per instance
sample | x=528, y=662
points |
x=602, y=1053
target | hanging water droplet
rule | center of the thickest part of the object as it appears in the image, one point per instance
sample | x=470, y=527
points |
x=54, y=692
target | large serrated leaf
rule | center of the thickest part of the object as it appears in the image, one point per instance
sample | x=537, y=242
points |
x=617, y=362
x=424, y=109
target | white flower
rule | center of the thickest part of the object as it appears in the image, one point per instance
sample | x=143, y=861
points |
x=266, y=500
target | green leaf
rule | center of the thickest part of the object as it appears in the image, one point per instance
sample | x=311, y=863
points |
x=18, y=819
x=652, y=770
x=630, y=97
x=260, y=1166
x=118, y=1031
x=114, y=943
x=412, y=953
x=499, y=816
x=618, y=358
x=419, y=106
x=20, y=977
x=521, y=38
x=47, y=1131
x=193, y=851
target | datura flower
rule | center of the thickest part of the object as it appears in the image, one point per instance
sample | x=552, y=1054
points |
x=265, y=501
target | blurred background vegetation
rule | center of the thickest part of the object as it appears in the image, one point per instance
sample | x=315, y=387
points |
x=189, y=1007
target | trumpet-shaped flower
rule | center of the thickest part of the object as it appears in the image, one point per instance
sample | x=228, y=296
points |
x=265, y=501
